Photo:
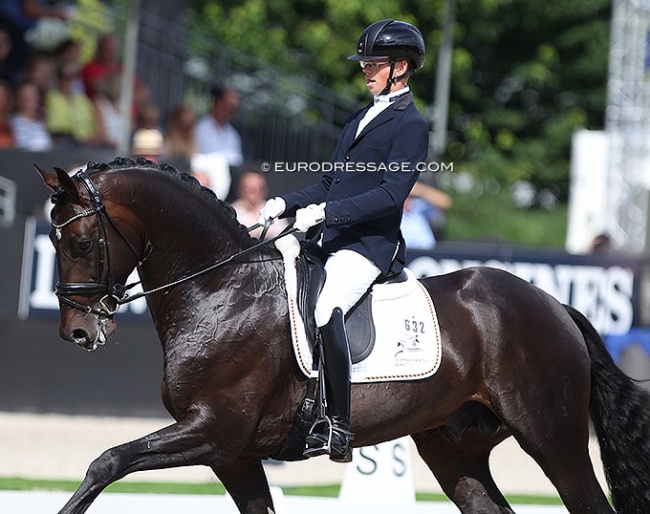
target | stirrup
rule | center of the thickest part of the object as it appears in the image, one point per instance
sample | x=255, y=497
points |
x=319, y=441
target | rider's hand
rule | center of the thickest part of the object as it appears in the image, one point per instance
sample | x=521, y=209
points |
x=309, y=216
x=271, y=210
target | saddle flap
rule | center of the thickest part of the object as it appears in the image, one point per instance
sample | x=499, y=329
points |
x=310, y=271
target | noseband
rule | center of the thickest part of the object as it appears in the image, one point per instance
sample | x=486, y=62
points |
x=113, y=292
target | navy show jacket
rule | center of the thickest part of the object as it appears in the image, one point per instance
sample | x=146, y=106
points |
x=371, y=177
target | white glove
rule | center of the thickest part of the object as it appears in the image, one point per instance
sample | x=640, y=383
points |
x=271, y=210
x=309, y=216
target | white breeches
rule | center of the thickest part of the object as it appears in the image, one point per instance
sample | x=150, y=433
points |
x=349, y=275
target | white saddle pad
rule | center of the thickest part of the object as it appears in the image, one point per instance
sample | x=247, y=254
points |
x=407, y=344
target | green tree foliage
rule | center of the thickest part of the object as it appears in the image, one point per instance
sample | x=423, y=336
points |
x=525, y=74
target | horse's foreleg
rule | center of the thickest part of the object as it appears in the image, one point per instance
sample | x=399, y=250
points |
x=180, y=444
x=247, y=485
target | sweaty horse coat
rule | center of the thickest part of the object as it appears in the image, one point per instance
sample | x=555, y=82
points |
x=515, y=362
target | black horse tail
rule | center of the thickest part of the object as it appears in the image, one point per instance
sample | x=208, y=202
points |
x=620, y=412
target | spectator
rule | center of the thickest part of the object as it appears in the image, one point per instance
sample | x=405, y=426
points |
x=213, y=172
x=9, y=66
x=23, y=15
x=108, y=111
x=39, y=70
x=214, y=133
x=252, y=191
x=422, y=210
x=70, y=115
x=6, y=111
x=69, y=51
x=148, y=143
x=180, y=140
x=105, y=63
x=30, y=132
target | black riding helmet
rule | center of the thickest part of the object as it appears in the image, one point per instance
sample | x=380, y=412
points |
x=394, y=40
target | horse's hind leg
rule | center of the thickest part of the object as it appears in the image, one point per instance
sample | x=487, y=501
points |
x=554, y=431
x=180, y=444
x=463, y=471
x=566, y=462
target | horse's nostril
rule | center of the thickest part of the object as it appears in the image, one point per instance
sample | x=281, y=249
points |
x=79, y=334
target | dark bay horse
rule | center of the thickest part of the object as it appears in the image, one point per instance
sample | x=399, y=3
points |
x=515, y=361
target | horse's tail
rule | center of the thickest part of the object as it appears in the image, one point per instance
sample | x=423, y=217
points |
x=620, y=412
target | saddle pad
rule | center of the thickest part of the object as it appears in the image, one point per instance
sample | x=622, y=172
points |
x=408, y=342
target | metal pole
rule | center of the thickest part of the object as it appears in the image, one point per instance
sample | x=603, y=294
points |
x=443, y=80
x=128, y=75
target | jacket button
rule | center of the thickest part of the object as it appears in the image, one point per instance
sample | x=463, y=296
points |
x=337, y=180
x=336, y=219
x=347, y=157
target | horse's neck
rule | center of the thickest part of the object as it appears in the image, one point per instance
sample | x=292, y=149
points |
x=185, y=226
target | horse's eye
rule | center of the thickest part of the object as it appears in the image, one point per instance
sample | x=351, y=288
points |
x=84, y=247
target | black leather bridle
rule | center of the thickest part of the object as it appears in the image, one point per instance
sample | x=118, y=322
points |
x=116, y=293
x=113, y=292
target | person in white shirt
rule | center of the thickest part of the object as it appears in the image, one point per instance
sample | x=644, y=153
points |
x=28, y=126
x=214, y=133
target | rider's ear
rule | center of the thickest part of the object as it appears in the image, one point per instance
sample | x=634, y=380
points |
x=66, y=183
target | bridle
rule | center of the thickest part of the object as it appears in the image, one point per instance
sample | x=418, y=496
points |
x=112, y=291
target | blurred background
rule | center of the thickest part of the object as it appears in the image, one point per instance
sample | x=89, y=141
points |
x=540, y=129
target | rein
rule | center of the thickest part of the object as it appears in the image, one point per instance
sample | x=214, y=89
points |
x=118, y=293
x=228, y=260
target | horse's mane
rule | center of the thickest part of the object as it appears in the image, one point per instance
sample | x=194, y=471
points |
x=122, y=163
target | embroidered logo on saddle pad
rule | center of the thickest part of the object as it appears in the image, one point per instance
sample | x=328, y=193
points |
x=407, y=336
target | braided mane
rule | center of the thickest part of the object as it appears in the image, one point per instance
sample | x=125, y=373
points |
x=122, y=163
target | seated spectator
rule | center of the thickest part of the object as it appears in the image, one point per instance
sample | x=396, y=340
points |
x=148, y=143
x=179, y=138
x=28, y=126
x=70, y=115
x=40, y=70
x=214, y=133
x=22, y=16
x=6, y=111
x=108, y=111
x=9, y=64
x=252, y=190
x=69, y=52
x=104, y=64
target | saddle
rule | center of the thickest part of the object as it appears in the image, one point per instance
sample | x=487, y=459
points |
x=360, y=328
x=359, y=325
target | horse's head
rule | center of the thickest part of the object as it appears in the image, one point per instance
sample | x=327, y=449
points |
x=92, y=238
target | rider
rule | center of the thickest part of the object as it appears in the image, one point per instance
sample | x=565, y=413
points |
x=361, y=201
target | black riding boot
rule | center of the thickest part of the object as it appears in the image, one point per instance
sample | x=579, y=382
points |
x=332, y=434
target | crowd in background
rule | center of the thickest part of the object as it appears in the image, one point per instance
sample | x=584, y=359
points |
x=54, y=100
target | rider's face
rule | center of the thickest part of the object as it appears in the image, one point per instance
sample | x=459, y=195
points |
x=377, y=74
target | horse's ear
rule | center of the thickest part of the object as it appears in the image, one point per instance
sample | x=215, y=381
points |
x=48, y=177
x=59, y=181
